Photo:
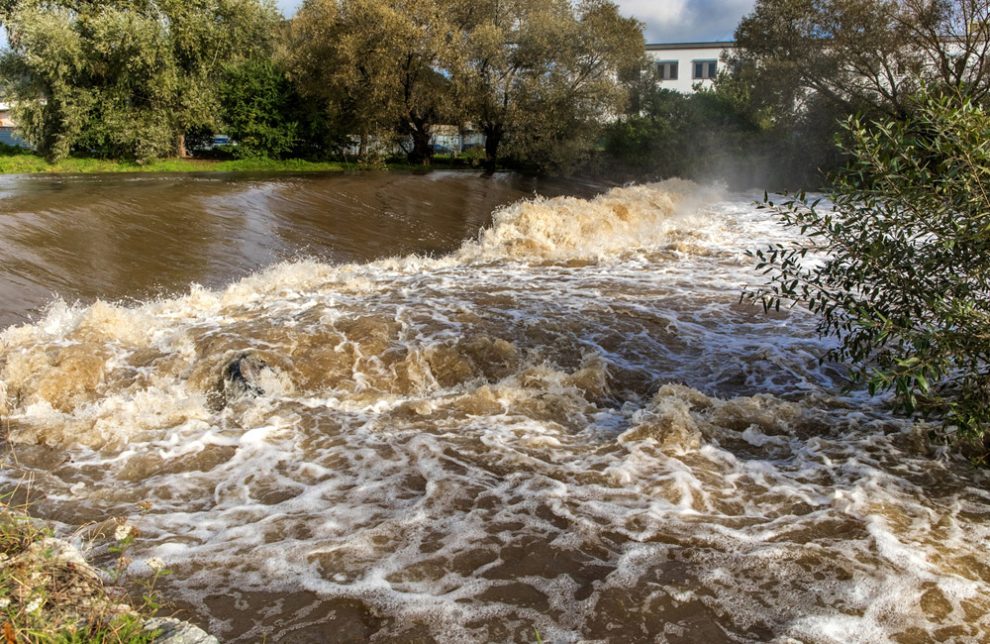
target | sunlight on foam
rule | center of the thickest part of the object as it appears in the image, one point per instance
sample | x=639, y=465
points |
x=570, y=424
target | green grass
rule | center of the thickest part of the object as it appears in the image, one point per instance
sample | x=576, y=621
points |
x=27, y=163
x=45, y=597
x=19, y=161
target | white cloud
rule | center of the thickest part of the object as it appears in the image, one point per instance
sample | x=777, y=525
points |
x=664, y=13
x=688, y=20
x=288, y=7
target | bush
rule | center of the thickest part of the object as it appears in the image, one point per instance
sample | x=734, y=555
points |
x=654, y=141
x=257, y=101
x=899, y=266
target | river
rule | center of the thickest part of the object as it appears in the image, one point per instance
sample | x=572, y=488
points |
x=362, y=408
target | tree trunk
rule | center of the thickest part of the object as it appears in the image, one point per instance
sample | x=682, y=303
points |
x=180, y=147
x=363, y=147
x=493, y=138
x=422, y=151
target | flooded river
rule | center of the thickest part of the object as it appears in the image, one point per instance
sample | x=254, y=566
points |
x=360, y=408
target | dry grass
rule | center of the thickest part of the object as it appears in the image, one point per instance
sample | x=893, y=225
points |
x=50, y=594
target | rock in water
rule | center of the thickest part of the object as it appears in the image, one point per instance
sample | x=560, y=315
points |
x=174, y=631
x=241, y=376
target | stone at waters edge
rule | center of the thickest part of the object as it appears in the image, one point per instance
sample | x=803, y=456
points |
x=174, y=631
x=63, y=555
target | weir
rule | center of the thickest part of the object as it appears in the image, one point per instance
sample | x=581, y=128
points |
x=567, y=423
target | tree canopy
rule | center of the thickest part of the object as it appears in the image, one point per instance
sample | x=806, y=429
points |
x=124, y=78
x=543, y=75
x=380, y=66
x=132, y=78
x=868, y=54
x=530, y=74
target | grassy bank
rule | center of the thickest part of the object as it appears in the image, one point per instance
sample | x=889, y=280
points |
x=26, y=163
x=49, y=593
x=17, y=161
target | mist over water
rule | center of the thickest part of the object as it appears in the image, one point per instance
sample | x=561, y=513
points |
x=567, y=423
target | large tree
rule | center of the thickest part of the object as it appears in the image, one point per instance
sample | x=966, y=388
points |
x=381, y=66
x=866, y=54
x=124, y=78
x=542, y=75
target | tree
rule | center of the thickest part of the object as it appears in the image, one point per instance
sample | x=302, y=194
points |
x=898, y=267
x=126, y=78
x=654, y=141
x=257, y=105
x=867, y=55
x=381, y=66
x=715, y=133
x=542, y=75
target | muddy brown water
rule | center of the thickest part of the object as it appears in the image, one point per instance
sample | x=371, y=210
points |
x=360, y=408
x=134, y=237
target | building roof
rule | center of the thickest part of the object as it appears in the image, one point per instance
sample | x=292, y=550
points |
x=717, y=44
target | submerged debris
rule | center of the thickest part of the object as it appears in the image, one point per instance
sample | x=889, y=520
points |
x=240, y=376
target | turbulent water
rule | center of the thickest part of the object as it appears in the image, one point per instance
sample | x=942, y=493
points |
x=568, y=426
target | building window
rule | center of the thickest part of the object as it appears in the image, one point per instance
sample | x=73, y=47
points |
x=667, y=69
x=705, y=69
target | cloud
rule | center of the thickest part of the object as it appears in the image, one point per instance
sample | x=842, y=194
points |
x=687, y=20
x=288, y=7
x=667, y=13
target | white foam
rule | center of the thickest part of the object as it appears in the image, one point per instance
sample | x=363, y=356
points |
x=570, y=423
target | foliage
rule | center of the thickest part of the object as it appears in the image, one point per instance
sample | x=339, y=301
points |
x=123, y=79
x=257, y=103
x=538, y=76
x=702, y=135
x=866, y=55
x=655, y=141
x=722, y=133
x=807, y=65
x=541, y=76
x=899, y=266
x=379, y=67
x=134, y=79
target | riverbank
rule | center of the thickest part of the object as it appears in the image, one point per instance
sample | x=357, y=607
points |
x=23, y=162
x=27, y=163
x=50, y=592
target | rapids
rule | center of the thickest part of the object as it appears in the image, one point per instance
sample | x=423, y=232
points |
x=569, y=426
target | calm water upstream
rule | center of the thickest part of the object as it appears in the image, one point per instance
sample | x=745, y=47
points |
x=361, y=408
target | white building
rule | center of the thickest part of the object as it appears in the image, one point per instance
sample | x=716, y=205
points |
x=683, y=65
x=7, y=127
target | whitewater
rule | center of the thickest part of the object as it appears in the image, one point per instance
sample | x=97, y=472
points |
x=569, y=426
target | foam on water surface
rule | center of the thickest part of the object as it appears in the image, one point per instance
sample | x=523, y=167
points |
x=570, y=424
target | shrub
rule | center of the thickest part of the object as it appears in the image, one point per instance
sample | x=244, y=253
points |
x=257, y=100
x=898, y=267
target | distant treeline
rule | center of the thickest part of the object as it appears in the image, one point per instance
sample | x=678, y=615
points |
x=149, y=78
x=801, y=70
x=548, y=85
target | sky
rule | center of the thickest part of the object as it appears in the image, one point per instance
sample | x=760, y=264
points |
x=665, y=20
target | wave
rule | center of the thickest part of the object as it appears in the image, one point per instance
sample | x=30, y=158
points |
x=570, y=424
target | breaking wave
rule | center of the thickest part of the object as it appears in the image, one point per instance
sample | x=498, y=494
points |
x=570, y=424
